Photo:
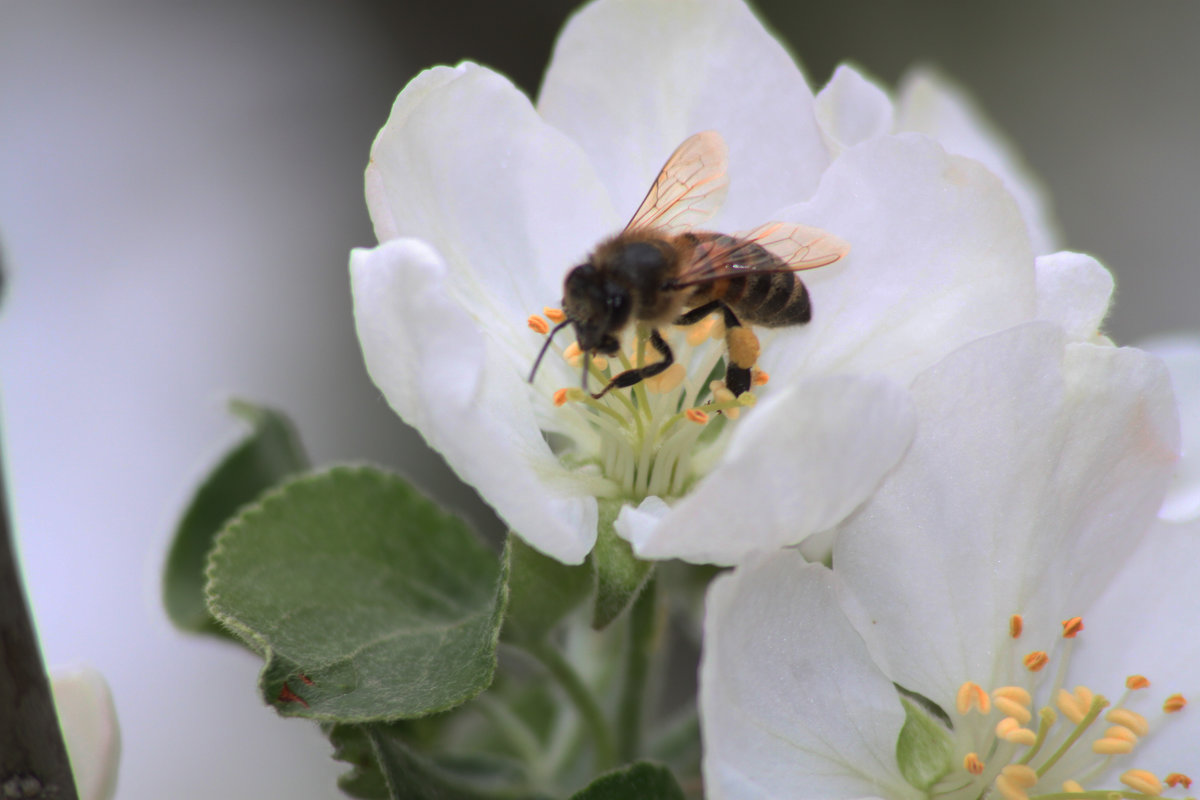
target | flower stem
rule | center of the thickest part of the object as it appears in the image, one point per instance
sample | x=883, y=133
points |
x=642, y=637
x=582, y=698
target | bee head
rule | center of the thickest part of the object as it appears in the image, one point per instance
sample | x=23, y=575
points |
x=597, y=306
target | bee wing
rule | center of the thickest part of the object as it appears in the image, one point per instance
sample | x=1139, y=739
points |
x=689, y=189
x=771, y=247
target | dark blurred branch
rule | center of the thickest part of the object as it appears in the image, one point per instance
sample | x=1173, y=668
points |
x=33, y=759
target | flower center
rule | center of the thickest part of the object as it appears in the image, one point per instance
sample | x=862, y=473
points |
x=1007, y=745
x=649, y=439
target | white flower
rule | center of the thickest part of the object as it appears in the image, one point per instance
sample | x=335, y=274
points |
x=1037, y=468
x=483, y=202
x=1181, y=354
x=88, y=721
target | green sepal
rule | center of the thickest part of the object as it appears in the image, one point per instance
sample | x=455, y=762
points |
x=620, y=575
x=368, y=602
x=643, y=780
x=267, y=455
x=541, y=591
x=410, y=775
x=924, y=750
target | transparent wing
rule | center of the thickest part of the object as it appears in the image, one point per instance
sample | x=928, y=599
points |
x=689, y=189
x=772, y=247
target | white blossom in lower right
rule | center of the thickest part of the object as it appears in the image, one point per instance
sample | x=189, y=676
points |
x=998, y=621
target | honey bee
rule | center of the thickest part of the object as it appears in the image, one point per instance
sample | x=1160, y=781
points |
x=659, y=270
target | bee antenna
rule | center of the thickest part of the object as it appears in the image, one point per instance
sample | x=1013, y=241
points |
x=546, y=346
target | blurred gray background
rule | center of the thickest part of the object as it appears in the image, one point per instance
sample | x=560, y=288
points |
x=180, y=184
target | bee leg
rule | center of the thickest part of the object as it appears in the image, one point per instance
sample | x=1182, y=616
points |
x=742, y=346
x=631, y=377
x=698, y=313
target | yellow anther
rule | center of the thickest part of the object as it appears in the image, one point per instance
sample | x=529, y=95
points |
x=973, y=764
x=1174, y=703
x=718, y=329
x=759, y=378
x=1129, y=719
x=1075, y=705
x=1176, y=778
x=696, y=415
x=1013, y=710
x=572, y=354
x=600, y=362
x=1016, y=624
x=554, y=314
x=696, y=334
x=1010, y=730
x=1072, y=786
x=560, y=397
x=1120, y=732
x=668, y=380
x=1137, y=682
x=970, y=695
x=538, y=324
x=1111, y=746
x=1014, y=779
x=1142, y=781
x=1017, y=694
x=1072, y=627
x=1036, y=661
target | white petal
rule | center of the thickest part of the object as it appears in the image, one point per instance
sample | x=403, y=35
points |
x=88, y=720
x=449, y=379
x=466, y=164
x=1073, y=290
x=852, y=109
x=790, y=704
x=928, y=102
x=1182, y=357
x=631, y=79
x=1144, y=624
x=939, y=257
x=797, y=464
x=1032, y=473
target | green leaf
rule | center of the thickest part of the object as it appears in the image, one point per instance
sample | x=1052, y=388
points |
x=270, y=453
x=620, y=575
x=924, y=751
x=643, y=780
x=410, y=775
x=542, y=591
x=368, y=602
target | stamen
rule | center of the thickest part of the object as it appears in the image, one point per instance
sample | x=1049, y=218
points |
x=722, y=396
x=696, y=334
x=971, y=694
x=554, y=314
x=1176, y=778
x=973, y=764
x=759, y=378
x=1121, y=732
x=1110, y=746
x=560, y=397
x=538, y=324
x=1016, y=624
x=1013, y=701
x=668, y=380
x=1010, y=730
x=1036, y=661
x=1072, y=787
x=1142, y=781
x=1072, y=627
x=1098, y=704
x=1174, y=703
x=1014, y=779
x=696, y=415
x=573, y=353
x=1129, y=719
x=1075, y=705
x=1137, y=682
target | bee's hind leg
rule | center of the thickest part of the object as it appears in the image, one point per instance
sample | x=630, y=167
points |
x=632, y=377
x=742, y=345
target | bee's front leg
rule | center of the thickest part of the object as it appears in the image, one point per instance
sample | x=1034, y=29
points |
x=631, y=377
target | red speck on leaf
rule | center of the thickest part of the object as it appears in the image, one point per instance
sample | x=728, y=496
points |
x=286, y=695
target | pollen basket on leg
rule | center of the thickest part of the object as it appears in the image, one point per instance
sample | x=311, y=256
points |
x=638, y=408
x=1035, y=733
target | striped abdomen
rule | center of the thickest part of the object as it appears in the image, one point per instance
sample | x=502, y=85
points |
x=747, y=284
